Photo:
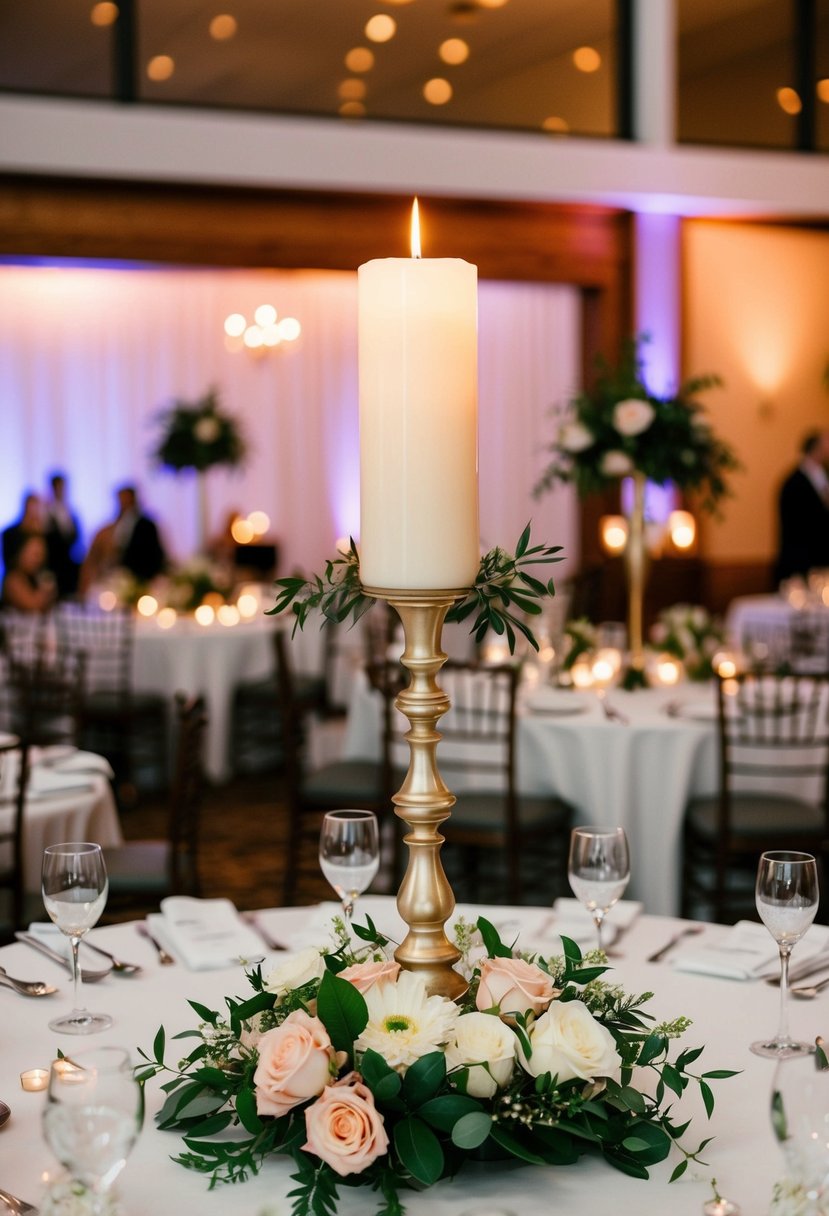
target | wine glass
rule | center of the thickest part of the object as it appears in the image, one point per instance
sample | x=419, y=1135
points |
x=598, y=869
x=93, y=1114
x=349, y=853
x=75, y=885
x=787, y=897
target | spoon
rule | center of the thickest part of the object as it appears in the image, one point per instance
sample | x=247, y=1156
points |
x=26, y=987
x=18, y=1206
x=5, y=1113
x=118, y=965
x=808, y=992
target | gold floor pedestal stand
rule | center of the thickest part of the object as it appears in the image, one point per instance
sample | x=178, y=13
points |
x=425, y=900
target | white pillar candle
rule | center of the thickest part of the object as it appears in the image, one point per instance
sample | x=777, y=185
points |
x=418, y=356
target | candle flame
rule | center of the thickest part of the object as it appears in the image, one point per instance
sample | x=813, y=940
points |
x=415, y=230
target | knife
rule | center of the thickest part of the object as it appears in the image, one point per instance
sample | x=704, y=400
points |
x=88, y=977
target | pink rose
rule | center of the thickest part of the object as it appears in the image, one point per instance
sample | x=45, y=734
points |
x=295, y=1062
x=363, y=975
x=344, y=1128
x=513, y=986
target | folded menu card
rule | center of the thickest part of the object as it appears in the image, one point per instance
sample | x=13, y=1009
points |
x=747, y=951
x=205, y=933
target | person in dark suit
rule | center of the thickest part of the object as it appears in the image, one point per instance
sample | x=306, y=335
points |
x=137, y=542
x=63, y=535
x=30, y=523
x=803, y=512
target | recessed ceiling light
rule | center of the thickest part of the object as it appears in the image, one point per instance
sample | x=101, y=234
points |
x=352, y=109
x=351, y=89
x=454, y=50
x=104, y=13
x=223, y=26
x=437, y=91
x=161, y=67
x=558, y=126
x=492, y=3
x=587, y=59
x=359, y=59
x=380, y=28
x=789, y=100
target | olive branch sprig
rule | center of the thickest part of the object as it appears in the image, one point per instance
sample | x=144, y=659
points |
x=503, y=587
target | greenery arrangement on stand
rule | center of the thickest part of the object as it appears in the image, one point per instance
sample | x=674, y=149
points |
x=199, y=435
x=342, y=1062
x=503, y=588
x=690, y=634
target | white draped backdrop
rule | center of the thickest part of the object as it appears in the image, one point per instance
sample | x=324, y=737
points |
x=90, y=354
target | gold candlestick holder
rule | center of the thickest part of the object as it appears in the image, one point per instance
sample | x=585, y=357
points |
x=425, y=899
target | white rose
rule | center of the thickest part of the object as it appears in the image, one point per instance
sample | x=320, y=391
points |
x=616, y=464
x=297, y=970
x=632, y=417
x=569, y=1043
x=206, y=429
x=574, y=437
x=486, y=1046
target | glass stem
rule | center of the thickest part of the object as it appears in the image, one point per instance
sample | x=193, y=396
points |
x=782, y=1035
x=348, y=908
x=598, y=921
x=75, y=943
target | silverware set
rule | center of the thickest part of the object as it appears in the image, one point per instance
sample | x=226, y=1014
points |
x=18, y=1206
x=610, y=711
x=88, y=975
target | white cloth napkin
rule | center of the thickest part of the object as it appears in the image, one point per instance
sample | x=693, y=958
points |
x=47, y=932
x=747, y=951
x=48, y=782
x=205, y=933
x=66, y=759
x=573, y=920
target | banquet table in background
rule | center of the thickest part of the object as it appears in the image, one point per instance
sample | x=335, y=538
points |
x=726, y=1016
x=776, y=622
x=638, y=775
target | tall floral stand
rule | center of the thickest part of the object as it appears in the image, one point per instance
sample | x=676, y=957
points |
x=636, y=571
x=203, y=516
x=424, y=900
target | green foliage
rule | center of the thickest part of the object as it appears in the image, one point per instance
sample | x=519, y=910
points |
x=678, y=446
x=198, y=435
x=503, y=587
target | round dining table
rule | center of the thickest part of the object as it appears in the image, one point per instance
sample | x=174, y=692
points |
x=725, y=1015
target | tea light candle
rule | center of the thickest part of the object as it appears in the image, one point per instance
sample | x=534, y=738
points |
x=34, y=1079
x=418, y=371
x=720, y=1207
x=581, y=673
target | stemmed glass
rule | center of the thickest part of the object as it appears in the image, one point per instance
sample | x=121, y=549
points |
x=93, y=1114
x=787, y=897
x=598, y=869
x=75, y=885
x=349, y=853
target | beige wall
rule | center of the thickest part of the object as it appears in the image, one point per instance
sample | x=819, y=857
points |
x=755, y=312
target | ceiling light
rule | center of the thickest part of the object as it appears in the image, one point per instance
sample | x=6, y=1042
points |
x=558, y=126
x=104, y=13
x=491, y=3
x=587, y=59
x=823, y=89
x=359, y=59
x=454, y=51
x=161, y=67
x=437, y=91
x=380, y=28
x=263, y=334
x=352, y=109
x=351, y=89
x=789, y=100
x=223, y=27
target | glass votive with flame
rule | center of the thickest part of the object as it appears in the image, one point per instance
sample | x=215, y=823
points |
x=108, y=601
x=34, y=1079
x=242, y=531
x=613, y=532
x=147, y=605
x=667, y=669
x=215, y=599
x=204, y=614
x=248, y=605
x=605, y=667
x=581, y=673
x=682, y=528
x=725, y=664
x=260, y=522
x=166, y=618
x=228, y=614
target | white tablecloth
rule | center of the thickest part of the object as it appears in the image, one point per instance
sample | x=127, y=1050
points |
x=726, y=1014
x=54, y=814
x=637, y=776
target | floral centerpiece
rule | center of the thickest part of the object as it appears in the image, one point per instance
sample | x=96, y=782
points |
x=691, y=634
x=188, y=584
x=344, y=1063
x=581, y=638
x=199, y=435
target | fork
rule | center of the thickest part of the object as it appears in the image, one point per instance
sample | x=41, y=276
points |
x=164, y=958
x=610, y=712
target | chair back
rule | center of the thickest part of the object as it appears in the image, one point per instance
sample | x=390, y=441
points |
x=14, y=779
x=187, y=794
x=106, y=638
x=44, y=681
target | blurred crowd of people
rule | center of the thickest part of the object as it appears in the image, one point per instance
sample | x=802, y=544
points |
x=44, y=558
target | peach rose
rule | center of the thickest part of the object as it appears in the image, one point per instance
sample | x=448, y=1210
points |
x=295, y=1062
x=363, y=975
x=344, y=1127
x=513, y=986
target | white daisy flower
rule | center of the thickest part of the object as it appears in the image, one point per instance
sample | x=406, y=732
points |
x=404, y=1023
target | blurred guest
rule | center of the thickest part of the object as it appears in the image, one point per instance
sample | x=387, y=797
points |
x=221, y=547
x=137, y=542
x=31, y=522
x=101, y=557
x=62, y=537
x=28, y=585
x=803, y=511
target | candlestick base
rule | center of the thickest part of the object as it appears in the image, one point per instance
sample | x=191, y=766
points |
x=425, y=899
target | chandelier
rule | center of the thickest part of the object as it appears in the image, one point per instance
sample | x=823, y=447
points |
x=265, y=333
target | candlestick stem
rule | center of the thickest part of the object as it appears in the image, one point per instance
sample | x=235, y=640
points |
x=425, y=899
